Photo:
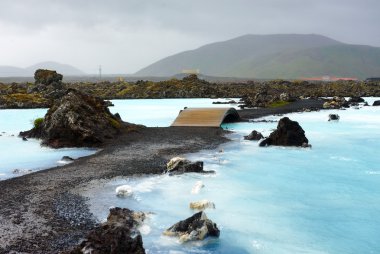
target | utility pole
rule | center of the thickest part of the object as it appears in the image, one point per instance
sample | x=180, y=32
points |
x=100, y=72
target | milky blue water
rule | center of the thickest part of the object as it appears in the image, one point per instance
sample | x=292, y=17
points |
x=29, y=156
x=159, y=112
x=268, y=200
x=271, y=200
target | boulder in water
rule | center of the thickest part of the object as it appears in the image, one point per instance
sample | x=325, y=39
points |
x=376, y=103
x=179, y=165
x=254, y=135
x=117, y=235
x=288, y=133
x=196, y=227
x=77, y=120
x=202, y=205
x=197, y=187
x=334, y=117
x=123, y=191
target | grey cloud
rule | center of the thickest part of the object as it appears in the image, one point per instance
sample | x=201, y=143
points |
x=187, y=23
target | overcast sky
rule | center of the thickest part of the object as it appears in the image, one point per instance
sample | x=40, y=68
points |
x=126, y=35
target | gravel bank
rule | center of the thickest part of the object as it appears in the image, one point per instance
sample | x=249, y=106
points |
x=296, y=106
x=38, y=214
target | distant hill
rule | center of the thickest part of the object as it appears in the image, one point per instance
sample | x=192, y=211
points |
x=285, y=56
x=65, y=69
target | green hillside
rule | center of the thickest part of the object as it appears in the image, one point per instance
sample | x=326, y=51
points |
x=273, y=56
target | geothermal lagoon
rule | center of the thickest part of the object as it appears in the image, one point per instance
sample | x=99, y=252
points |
x=268, y=200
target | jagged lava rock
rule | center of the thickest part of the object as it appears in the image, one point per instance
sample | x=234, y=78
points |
x=179, y=165
x=47, y=77
x=334, y=117
x=196, y=227
x=254, y=135
x=117, y=235
x=288, y=133
x=77, y=120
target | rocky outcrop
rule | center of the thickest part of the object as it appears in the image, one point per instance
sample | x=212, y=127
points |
x=47, y=77
x=336, y=103
x=376, y=103
x=334, y=117
x=179, y=165
x=48, y=82
x=260, y=99
x=288, y=133
x=77, y=120
x=118, y=235
x=196, y=227
x=254, y=135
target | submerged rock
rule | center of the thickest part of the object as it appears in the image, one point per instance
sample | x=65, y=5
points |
x=179, y=165
x=254, y=135
x=123, y=191
x=196, y=227
x=202, y=205
x=197, y=187
x=76, y=120
x=288, y=133
x=334, y=117
x=67, y=158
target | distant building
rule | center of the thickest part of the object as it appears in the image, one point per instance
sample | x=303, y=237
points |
x=190, y=71
x=328, y=78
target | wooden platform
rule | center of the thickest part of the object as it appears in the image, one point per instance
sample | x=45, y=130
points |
x=205, y=117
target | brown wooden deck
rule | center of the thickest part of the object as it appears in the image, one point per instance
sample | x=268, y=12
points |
x=205, y=117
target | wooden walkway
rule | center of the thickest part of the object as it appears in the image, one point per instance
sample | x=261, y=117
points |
x=205, y=117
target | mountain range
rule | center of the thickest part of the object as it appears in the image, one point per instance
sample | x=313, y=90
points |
x=65, y=69
x=286, y=56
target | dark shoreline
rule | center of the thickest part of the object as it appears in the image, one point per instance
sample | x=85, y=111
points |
x=38, y=214
x=29, y=217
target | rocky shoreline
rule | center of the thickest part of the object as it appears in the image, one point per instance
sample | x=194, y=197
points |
x=48, y=87
x=38, y=213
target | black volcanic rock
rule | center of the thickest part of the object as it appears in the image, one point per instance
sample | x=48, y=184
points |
x=334, y=117
x=254, y=135
x=47, y=77
x=196, y=227
x=77, y=120
x=117, y=236
x=356, y=100
x=179, y=165
x=288, y=133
